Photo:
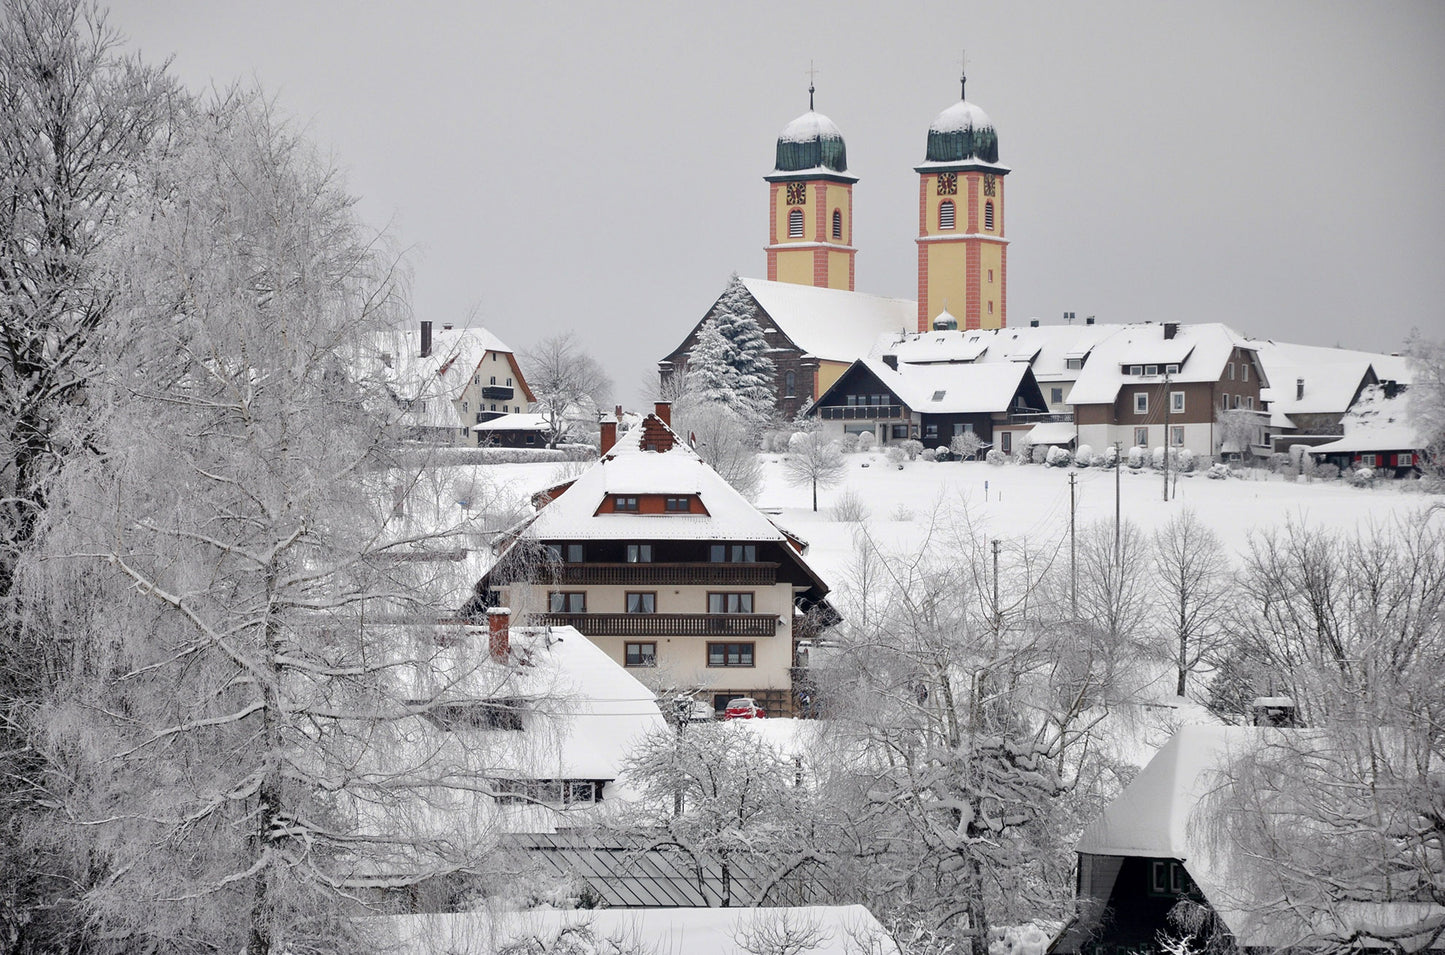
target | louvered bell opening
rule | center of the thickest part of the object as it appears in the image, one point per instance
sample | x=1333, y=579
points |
x=945, y=215
x=795, y=224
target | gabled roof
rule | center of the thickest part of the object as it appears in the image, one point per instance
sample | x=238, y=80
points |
x=967, y=388
x=830, y=324
x=1046, y=348
x=1332, y=378
x=455, y=355
x=1201, y=351
x=1376, y=422
x=518, y=421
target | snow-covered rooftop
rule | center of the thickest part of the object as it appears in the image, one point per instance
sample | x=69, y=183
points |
x=808, y=127
x=832, y=324
x=1376, y=422
x=1201, y=352
x=952, y=389
x=518, y=421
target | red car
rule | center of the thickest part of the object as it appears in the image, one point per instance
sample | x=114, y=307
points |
x=744, y=708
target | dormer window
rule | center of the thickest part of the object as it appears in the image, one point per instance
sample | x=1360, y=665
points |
x=1073, y=364
x=1151, y=369
x=1171, y=369
x=945, y=214
x=677, y=505
x=795, y=224
x=1136, y=369
x=621, y=502
x=938, y=395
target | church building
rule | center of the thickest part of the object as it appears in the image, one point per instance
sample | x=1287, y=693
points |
x=815, y=323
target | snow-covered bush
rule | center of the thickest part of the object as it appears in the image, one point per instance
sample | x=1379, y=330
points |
x=1136, y=457
x=1218, y=472
x=965, y=445
x=1184, y=461
x=911, y=448
x=866, y=442
x=848, y=508
x=796, y=441
x=1110, y=457
x=849, y=443
x=895, y=454
x=1362, y=477
x=1157, y=457
x=1326, y=471
x=1278, y=461
x=1059, y=457
x=997, y=458
x=930, y=454
x=1038, y=453
x=1028, y=939
x=1084, y=457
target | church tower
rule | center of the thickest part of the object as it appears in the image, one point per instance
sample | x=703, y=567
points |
x=810, y=205
x=962, y=252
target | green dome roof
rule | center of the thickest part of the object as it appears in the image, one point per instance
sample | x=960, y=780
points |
x=960, y=133
x=811, y=141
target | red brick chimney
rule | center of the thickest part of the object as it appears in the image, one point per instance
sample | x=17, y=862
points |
x=499, y=633
x=663, y=410
x=609, y=437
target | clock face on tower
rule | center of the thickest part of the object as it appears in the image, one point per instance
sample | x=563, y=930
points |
x=948, y=184
x=990, y=185
x=797, y=194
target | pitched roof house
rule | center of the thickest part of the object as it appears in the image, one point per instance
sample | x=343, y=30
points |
x=1313, y=387
x=1378, y=433
x=656, y=559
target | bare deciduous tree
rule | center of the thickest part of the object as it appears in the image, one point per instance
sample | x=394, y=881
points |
x=1190, y=576
x=568, y=383
x=813, y=459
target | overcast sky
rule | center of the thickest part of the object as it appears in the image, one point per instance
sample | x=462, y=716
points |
x=1276, y=166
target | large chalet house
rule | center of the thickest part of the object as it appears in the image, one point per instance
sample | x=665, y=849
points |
x=451, y=379
x=933, y=403
x=656, y=559
x=1377, y=433
x=1312, y=388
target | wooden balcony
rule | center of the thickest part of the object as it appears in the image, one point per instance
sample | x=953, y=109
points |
x=664, y=624
x=700, y=574
x=861, y=412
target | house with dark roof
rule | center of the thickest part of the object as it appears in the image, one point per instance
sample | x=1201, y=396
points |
x=1378, y=434
x=655, y=558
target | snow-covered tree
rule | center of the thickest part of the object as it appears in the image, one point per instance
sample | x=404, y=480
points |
x=723, y=440
x=965, y=445
x=813, y=459
x=78, y=122
x=1236, y=429
x=1426, y=397
x=1193, y=586
x=568, y=383
x=730, y=358
x=238, y=737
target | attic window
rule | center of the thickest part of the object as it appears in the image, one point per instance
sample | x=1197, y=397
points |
x=945, y=214
x=1171, y=369
x=795, y=224
x=677, y=504
x=1073, y=364
x=1136, y=369
x=624, y=502
x=1151, y=369
x=837, y=224
x=938, y=395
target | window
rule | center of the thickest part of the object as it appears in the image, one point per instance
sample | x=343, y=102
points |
x=990, y=308
x=1166, y=877
x=1244, y=371
x=729, y=654
x=1056, y=395
x=729, y=603
x=1141, y=402
x=988, y=216
x=1176, y=437
x=566, y=553
x=624, y=502
x=559, y=601
x=837, y=224
x=930, y=431
x=548, y=792
x=1249, y=402
x=795, y=224
x=990, y=276
x=1151, y=369
x=509, y=382
x=1141, y=437
x=677, y=504
x=1367, y=460
x=639, y=553
x=1171, y=369
x=945, y=214
x=1176, y=401
x=480, y=715
x=1236, y=401
x=733, y=553
x=642, y=603
x=1230, y=372
x=790, y=384
x=900, y=432
x=639, y=654
x=1007, y=442
x=1073, y=364
x=1405, y=460
x=938, y=395
x=464, y=406
x=1136, y=369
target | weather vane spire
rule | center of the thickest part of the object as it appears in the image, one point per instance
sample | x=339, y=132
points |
x=812, y=74
x=963, y=75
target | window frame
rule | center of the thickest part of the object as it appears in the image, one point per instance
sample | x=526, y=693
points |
x=1176, y=435
x=569, y=598
x=1141, y=437
x=988, y=219
x=1176, y=402
x=639, y=553
x=641, y=658
x=733, y=553
x=625, y=503
x=725, y=651
x=790, y=384
x=1141, y=402
x=670, y=502
x=838, y=224
x=647, y=598
x=742, y=596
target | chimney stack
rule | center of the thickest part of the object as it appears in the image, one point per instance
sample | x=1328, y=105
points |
x=609, y=437
x=425, y=339
x=1087, y=321
x=663, y=410
x=1299, y=388
x=499, y=633
x=1170, y=330
x=1033, y=323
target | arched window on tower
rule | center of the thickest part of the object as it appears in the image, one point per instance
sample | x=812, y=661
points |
x=790, y=384
x=988, y=216
x=795, y=224
x=837, y=224
x=945, y=214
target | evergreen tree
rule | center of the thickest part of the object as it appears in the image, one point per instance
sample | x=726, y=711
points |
x=733, y=364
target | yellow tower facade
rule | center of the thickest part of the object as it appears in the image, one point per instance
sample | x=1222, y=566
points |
x=810, y=206
x=962, y=251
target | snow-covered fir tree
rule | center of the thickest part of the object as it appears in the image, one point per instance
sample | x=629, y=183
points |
x=730, y=360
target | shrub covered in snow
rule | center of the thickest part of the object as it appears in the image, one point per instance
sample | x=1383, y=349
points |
x=1218, y=472
x=866, y=442
x=1157, y=457
x=1084, y=457
x=1326, y=471
x=895, y=454
x=930, y=454
x=1028, y=939
x=1110, y=457
x=1038, y=453
x=965, y=446
x=796, y=441
x=849, y=443
x=911, y=448
x=1278, y=461
x=1136, y=457
x=997, y=458
x=1362, y=477
x=848, y=508
x=1059, y=457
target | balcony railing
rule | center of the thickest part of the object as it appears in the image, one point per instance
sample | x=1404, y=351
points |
x=664, y=624
x=864, y=412
x=496, y=393
x=699, y=573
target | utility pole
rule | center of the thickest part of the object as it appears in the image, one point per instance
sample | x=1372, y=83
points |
x=1073, y=553
x=1167, y=443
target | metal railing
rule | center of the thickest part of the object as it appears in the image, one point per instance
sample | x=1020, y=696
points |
x=670, y=574
x=664, y=624
x=863, y=412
